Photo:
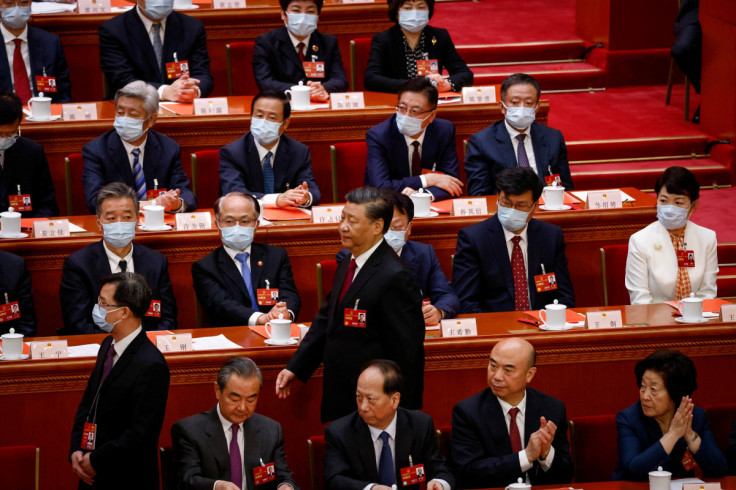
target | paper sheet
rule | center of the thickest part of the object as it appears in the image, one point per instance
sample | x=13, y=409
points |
x=583, y=195
x=86, y=350
x=677, y=484
x=51, y=7
x=218, y=342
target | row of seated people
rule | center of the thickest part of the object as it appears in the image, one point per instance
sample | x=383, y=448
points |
x=141, y=44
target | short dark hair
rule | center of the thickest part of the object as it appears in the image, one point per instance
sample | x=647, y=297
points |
x=131, y=290
x=677, y=370
x=395, y=5
x=242, y=366
x=519, y=79
x=272, y=94
x=393, y=380
x=515, y=181
x=11, y=108
x=678, y=180
x=401, y=202
x=421, y=85
x=285, y=4
x=115, y=190
x=250, y=197
x=377, y=206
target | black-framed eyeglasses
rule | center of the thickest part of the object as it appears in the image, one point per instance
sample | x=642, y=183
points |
x=403, y=110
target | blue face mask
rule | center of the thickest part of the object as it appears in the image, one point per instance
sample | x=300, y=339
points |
x=410, y=126
x=672, y=217
x=413, y=20
x=302, y=25
x=512, y=219
x=395, y=239
x=158, y=9
x=238, y=237
x=16, y=17
x=264, y=131
x=520, y=117
x=119, y=234
x=129, y=128
x=99, y=316
x=6, y=142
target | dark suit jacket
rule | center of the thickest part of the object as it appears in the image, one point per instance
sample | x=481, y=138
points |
x=481, y=448
x=81, y=279
x=277, y=66
x=201, y=454
x=130, y=412
x=639, y=449
x=388, y=164
x=350, y=459
x=126, y=52
x=26, y=165
x=221, y=290
x=490, y=152
x=421, y=260
x=394, y=329
x=106, y=161
x=731, y=452
x=15, y=280
x=481, y=272
x=45, y=52
x=240, y=167
x=386, y=70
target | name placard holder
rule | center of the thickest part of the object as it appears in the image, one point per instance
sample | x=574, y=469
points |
x=459, y=327
x=93, y=6
x=193, y=221
x=228, y=4
x=55, y=349
x=212, y=106
x=604, y=200
x=53, y=228
x=326, y=214
x=728, y=313
x=178, y=342
x=469, y=207
x=79, y=112
x=347, y=100
x=479, y=95
x=605, y=319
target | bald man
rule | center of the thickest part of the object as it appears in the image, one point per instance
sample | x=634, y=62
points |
x=488, y=428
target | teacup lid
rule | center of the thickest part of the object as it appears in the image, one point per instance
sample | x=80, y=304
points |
x=555, y=306
x=692, y=299
x=519, y=484
x=12, y=335
x=153, y=207
x=553, y=187
x=660, y=472
x=421, y=193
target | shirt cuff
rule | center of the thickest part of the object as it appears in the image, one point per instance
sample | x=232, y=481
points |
x=161, y=89
x=308, y=203
x=182, y=207
x=524, y=461
x=546, y=464
x=269, y=200
x=253, y=320
x=424, y=181
x=445, y=485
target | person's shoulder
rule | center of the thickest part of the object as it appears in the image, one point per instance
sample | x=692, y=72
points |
x=186, y=20
x=437, y=31
x=443, y=124
x=536, y=396
x=262, y=421
x=82, y=256
x=343, y=424
x=415, y=416
x=484, y=227
x=147, y=253
x=116, y=23
x=330, y=39
x=537, y=226
x=384, y=36
x=546, y=130
x=645, y=234
x=207, y=262
x=702, y=231
x=10, y=260
x=292, y=144
x=148, y=354
x=382, y=128
x=38, y=34
x=27, y=146
x=268, y=249
x=193, y=423
x=166, y=141
x=488, y=132
x=630, y=414
x=472, y=404
x=101, y=142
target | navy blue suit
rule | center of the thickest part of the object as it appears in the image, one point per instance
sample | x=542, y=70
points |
x=421, y=260
x=277, y=66
x=106, y=161
x=15, y=281
x=26, y=165
x=388, y=165
x=45, y=52
x=639, y=449
x=126, y=52
x=240, y=167
x=481, y=273
x=490, y=152
x=480, y=446
x=81, y=279
x=222, y=292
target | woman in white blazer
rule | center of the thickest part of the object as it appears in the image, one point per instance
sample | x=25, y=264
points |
x=651, y=265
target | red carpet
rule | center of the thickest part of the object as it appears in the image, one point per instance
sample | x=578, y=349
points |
x=717, y=211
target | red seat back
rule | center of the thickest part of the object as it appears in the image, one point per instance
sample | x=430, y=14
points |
x=325, y=277
x=168, y=471
x=360, y=50
x=19, y=465
x=443, y=440
x=316, y=445
x=613, y=275
x=75, y=201
x=593, y=448
x=726, y=280
x=240, y=77
x=348, y=167
x=721, y=418
x=206, y=177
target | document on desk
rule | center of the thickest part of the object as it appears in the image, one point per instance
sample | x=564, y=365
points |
x=217, y=342
x=583, y=195
x=86, y=350
x=677, y=484
x=52, y=7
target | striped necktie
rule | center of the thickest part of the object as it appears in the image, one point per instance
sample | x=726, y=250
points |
x=268, y=174
x=140, y=179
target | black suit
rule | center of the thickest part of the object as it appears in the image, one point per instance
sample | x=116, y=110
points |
x=81, y=279
x=15, y=280
x=350, y=458
x=130, y=412
x=481, y=448
x=394, y=329
x=222, y=292
x=25, y=165
x=202, y=457
x=126, y=52
x=277, y=66
x=386, y=70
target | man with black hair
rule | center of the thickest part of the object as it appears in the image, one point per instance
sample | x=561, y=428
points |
x=504, y=262
x=298, y=52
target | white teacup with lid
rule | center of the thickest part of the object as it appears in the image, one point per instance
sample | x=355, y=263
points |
x=422, y=203
x=40, y=107
x=12, y=345
x=691, y=308
x=299, y=96
x=279, y=330
x=554, y=196
x=154, y=214
x=519, y=485
x=10, y=221
x=659, y=480
x=554, y=315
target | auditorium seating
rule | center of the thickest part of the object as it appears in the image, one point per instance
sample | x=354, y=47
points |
x=24, y=461
x=240, y=79
x=206, y=177
x=360, y=50
x=726, y=281
x=613, y=275
x=168, y=471
x=348, y=167
x=76, y=204
x=325, y=277
x=316, y=446
x=720, y=419
x=593, y=448
x=443, y=440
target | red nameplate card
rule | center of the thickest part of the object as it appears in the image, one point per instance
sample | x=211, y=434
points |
x=79, y=112
x=180, y=342
x=314, y=69
x=49, y=350
x=176, y=69
x=709, y=305
x=545, y=282
x=326, y=214
x=685, y=258
x=347, y=100
x=728, y=313
x=154, y=193
x=427, y=67
x=45, y=84
x=267, y=297
x=604, y=199
x=51, y=228
x=193, y=221
x=285, y=214
x=9, y=311
x=605, y=319
x=154, y=309
x=355, y=318
x=88, y=436
x=688, y=462
x=411, y=475
x=94, y=6
x=20, y=202
x=459, y=327
x=264, y=473
x=469, y=207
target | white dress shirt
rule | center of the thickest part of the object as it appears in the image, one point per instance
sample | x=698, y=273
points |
x=296, y=41
x=148, y=26
x=513, y=133
x=124, y=343
x=9, y=39
x=269, y=200
x=410, y=151
x=523, y=244
x=363, y=258
x=524, y=462
x=131, y=158
x=227, y=429
x=253, y=320
x=114, y=260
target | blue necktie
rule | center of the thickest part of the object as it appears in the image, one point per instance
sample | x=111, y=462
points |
x=386, y=473
x=140, y=179
x=158, y=47
x=245, y=272
x=521, y=155
x=268, y=174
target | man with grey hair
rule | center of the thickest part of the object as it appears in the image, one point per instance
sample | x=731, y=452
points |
x=117, y=215
x=209, y=445
x=133, y=153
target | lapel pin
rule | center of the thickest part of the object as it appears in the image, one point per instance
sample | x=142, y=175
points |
x=434, y=41
x=315, y=48
x=260, y=262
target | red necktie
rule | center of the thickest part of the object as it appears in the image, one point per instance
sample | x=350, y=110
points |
x=514, y=431
x=300, y=48
x=521, y=288
x=416, y=160
x=20, y=75
x=348, y=279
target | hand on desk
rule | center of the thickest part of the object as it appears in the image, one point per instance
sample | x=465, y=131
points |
x=282, y=383
x=82, y=467
x=297, y=196
x=169, y=200
x=225, y=485
x=432, y=315
x=443, y=85
x=434, y=485
x=317, y=92
x=278, y=309
x=182, y=90
x=445, y=182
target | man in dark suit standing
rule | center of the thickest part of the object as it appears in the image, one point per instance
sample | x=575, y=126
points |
x=517, y=141
x=133, y=153
x=24, y=168
x=15, y=282
x=373, y=282
x=116, y=428
x=381, y=444
x=235, y=283
x=298, y=52
x=208, y=445
x=488, y=428
x=149, y=39
x=267, y=163
x=504, y=263
x=412, y=149
x=38, y=53
x=117, y=215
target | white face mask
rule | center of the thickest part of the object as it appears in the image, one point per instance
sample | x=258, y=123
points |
x=99, y=316
x=410, y=126
x=512, y=219
x=302, y=25
x=520, y=117
x=396, y=239
x=264, y=131
x=7, y=141
x=413, y=20
x=16, y=17
x=129, y=128
x=672, y=217
x=159, y=9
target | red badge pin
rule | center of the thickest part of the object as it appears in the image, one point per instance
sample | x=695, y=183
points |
x=260, y=262
x=315, y=48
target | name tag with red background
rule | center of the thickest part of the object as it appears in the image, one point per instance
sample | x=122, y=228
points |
x=46, y=84
x=355, y=318
x=154, y=193
x=20, y=203
x=427, y=67
x=688, y=461
x=685, y=258
x=267, y=297
x=545, y=282
x=10, y=311
x=551, y=179
x=314, y=69
x=88, y=436
x=264, y=474
x=154, y=309
x=176, y=69
x=411, y=475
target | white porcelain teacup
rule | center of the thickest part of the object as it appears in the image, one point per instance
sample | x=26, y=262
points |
x=12, y=345
x=519, y=485
x=659, y=480
x=554, y=196
x=422, y=203
x=154, y=214
x=691, y=309
x=10, y=221
x=299, y=96
x=279, y=330
x=553, y=315
x=40, y=108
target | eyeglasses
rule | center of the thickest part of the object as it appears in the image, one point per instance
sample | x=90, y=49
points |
x=519, y=207
x=6, y=4
x=10, y=134
x=105, y=305
x=228, y=222
x=403, y=110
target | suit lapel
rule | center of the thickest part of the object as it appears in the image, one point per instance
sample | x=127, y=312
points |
x=505, y=147
x=171, y=35
x=429, y=148
x=5, y=82
x=139, y=36
x=495, y=422
x=364, y=444
x=288, y=52
x=126, y=358
x=501, y=252
x=35, y=53
x=402, y=446
x=531, y=417
x=253, y=165
x=364, y=274
x=151, y=159
x=100, y=261
x=218, y=443
x=342, y=271
x=257, y=264
x=119, y=157
x=252, y=450
x=230, y=271
x=398, y=146
x=539, y=145
x=281, y=165
x=533, y=257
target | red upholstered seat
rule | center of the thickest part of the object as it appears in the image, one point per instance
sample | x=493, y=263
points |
x=613, y=275
x=360, y=50
x=75, y=202
x=348, y=167
x=19, y=466
x=240, y=68
x=168, y=471
x=206, y=177
x=325, y=277
x=593, y=447
x=443, y=440
x=726, y=281
x=721, y=418
x=316, y=445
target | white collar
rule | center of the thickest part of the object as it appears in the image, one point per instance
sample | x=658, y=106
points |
x=507, y=406
x=363, y=258
x=296, y=41
x=262, y=151
x=509, y=235
x=226, y=424
x=9, y=36
x=113, y=257
x=148, y=23
x=232, y=252
x=130, y=147
x=391, y=429
x=125, y=342
x=420, y=139
x=513, y=132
